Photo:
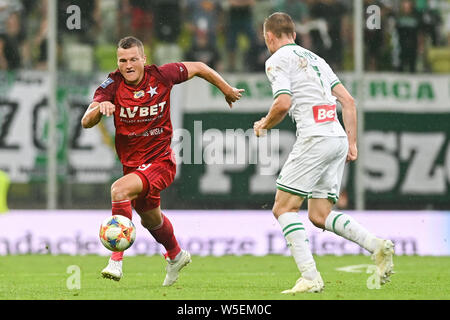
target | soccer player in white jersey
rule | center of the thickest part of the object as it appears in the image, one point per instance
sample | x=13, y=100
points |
x=304, y=86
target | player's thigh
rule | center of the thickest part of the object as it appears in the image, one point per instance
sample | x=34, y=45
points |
x=331, y=169
x=286, y=202
x=157, y=176
x=318, y=210
x=126, y=188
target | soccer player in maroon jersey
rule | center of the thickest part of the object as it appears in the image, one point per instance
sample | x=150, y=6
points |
x=138, y=97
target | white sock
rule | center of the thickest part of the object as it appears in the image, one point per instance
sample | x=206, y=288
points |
x=345, y=226
x=298, y=243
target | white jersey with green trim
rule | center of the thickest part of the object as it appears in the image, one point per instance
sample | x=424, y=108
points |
x=309, y=80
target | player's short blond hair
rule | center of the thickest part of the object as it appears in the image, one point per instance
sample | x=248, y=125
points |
x=129, y=42
x=279, y=23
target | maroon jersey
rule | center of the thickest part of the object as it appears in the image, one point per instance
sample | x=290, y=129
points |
x=142, y=114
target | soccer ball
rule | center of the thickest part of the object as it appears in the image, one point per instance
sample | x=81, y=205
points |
x=117, y=233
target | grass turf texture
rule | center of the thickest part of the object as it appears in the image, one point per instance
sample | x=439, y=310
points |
x=33, y=277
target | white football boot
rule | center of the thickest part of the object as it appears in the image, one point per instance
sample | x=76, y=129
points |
x=382, y=256
x=304, y=285
x=174, y=267
x=113, y=270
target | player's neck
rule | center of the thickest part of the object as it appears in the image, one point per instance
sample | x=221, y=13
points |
x=283, y=42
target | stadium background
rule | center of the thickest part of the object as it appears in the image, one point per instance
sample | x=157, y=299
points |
x=406, y=151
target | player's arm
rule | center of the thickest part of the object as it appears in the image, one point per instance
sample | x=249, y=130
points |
x=201, y=70
x=279, y=110
x=94, y=113
x=349, y=118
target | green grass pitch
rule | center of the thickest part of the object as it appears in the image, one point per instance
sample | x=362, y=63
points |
x=36, y=277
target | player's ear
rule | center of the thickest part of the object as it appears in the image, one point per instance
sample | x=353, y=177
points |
x=145, y=59
x=294, y=35
x=267, y=37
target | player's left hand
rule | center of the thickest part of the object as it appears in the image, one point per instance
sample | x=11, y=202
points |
x=258, y=127
x=233, y=95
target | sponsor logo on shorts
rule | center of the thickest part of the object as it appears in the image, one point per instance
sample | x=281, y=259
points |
x=324, y=113
x=144, y=167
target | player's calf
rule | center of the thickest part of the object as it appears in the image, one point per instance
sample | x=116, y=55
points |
x=345, y=226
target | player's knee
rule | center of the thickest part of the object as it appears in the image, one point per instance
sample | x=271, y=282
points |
x=120, y=192
x=276, y=210
x=279, y=209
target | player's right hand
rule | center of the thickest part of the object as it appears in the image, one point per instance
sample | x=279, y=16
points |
x=107, y=108
x=234, y=95
x=258, y=127
x=352, y=154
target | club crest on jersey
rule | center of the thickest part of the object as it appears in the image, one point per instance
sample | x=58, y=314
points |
x=139, y=94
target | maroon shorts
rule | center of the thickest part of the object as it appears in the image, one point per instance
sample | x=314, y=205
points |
x=155, y=176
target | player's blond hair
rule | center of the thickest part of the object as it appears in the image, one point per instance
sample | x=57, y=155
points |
x=279, y=23
x=129, y=42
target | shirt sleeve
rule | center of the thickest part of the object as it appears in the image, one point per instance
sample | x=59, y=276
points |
x=106, y=91
x=174, y=73
x=277, y=71
x=331, y=77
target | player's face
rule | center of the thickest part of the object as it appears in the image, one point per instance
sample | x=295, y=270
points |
x=131, y=64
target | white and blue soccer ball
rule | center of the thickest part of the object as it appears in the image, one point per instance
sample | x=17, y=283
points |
x=117, y=233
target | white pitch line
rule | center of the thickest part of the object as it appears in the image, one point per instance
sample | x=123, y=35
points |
x=357, y=268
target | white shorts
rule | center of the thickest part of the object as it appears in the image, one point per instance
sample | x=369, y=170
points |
x=315, y=167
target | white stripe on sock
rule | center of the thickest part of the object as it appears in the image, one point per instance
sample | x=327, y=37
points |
x=122, y=201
